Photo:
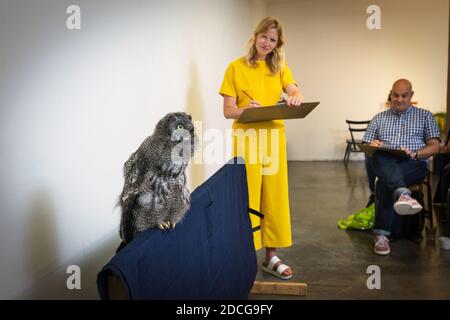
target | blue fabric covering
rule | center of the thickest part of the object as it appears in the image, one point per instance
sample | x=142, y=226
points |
x=209, y=255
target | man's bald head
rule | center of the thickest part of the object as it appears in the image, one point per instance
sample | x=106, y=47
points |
x=402, y=84
x=401, y=95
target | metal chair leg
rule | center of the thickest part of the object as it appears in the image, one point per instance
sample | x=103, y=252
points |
x=347, y=154
x=430, y=230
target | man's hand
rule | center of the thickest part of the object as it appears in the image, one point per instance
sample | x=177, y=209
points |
x=376, y=143
x=410, y=153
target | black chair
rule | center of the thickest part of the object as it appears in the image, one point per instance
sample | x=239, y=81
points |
x=423, y=189
x=353, y=144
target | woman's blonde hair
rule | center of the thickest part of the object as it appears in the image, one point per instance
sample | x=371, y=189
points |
x=275, y=59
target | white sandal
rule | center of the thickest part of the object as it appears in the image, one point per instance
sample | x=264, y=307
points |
x=280, y=269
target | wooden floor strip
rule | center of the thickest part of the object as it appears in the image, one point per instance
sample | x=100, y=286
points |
x=281, y=288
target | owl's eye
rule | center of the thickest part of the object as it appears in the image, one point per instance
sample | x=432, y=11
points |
x=180, y=127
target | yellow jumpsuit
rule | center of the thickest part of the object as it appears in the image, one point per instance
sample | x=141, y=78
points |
x=263, y=146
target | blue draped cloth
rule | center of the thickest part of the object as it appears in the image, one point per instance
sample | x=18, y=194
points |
x=209, y=255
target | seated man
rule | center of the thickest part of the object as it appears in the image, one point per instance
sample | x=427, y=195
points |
x=413, y=130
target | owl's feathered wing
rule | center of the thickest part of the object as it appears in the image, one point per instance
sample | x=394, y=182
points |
x=129, y=195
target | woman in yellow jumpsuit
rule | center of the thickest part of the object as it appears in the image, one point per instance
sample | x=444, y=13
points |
x=254, y=81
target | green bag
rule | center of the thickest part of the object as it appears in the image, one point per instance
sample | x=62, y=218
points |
x=364, y=219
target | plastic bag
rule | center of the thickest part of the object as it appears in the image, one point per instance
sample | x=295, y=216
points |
x=364, y=219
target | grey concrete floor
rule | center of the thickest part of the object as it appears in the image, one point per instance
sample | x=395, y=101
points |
x=334, y=262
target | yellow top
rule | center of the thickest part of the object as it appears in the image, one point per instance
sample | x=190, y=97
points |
x=242, y=80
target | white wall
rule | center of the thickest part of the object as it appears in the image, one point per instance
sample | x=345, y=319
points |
x=350, y=69
x=259, y=11
x=75, y=104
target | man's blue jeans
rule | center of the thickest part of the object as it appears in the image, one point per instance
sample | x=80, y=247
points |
x=370, y=176
x=395, y=174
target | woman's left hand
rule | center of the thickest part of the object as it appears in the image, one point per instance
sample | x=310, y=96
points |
x=294, y=101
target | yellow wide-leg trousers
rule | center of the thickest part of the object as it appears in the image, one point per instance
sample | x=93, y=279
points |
x=263, y=147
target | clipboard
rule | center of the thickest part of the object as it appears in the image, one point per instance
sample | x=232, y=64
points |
x=369, y=150
x=277, y=112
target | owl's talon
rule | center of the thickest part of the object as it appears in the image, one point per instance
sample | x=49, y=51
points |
x=173, y=224
x=164, y=225
x=161, y=226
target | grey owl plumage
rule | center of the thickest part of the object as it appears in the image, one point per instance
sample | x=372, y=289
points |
x=154, y=192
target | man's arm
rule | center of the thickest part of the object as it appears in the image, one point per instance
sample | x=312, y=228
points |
x=371, y=135
x=431, y=135
x=429, y=150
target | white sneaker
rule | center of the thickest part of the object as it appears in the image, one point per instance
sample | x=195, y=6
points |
x=406, y=205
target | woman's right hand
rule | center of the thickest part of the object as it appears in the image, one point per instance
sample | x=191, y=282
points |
x=230, y=109
x=254, y=104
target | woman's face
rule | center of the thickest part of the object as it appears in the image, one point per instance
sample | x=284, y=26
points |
x=265, y=43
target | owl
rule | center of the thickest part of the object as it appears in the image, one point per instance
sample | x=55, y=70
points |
x=154, y=194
